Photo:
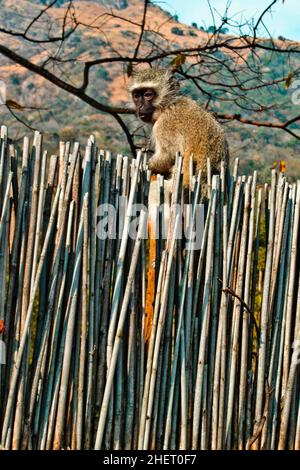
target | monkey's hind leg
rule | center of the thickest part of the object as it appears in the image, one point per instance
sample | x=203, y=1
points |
x=160, y=162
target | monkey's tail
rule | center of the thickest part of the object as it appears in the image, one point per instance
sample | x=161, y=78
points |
x=188, y=167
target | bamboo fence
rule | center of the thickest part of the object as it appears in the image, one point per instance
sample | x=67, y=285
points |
x=219, y=368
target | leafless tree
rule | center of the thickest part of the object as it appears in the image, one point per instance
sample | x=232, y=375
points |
x=228, y=70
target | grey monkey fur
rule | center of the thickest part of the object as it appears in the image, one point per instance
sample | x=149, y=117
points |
x=180, y=125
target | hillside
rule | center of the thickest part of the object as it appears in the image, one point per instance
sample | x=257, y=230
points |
x=60, y=115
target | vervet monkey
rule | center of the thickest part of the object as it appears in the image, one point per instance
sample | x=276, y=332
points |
x=179, y=125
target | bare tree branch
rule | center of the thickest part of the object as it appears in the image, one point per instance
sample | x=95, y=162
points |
x=274, y=125
x=222, y=67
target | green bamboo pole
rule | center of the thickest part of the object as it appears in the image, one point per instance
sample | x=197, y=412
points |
x=41, y=195
x=118, y=336
x=71, y=317
x=17, y=363
x=222, y=345
x=91, y=363
x=291, y=290
x=3, y=155
x=102, y=304
x=158, y=334
x=83, y=329
x=55, y=331
x=17, y=233
x=246, y=321
x=131, y=374
x=5, y=205
x=262, y=351
x=120, y=267
x=233, y=226
x=143, y=416
x=205, y=321
x=233, y=357
x=277, y=345
x=215, y=306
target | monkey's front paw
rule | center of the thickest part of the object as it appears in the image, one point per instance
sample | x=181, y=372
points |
x=158, y=165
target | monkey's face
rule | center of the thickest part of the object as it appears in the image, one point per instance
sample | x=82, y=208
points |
x=143, y=100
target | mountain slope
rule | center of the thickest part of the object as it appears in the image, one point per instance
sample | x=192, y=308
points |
x=64, y=116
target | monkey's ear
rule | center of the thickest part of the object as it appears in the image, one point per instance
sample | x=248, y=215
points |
x=130, y=70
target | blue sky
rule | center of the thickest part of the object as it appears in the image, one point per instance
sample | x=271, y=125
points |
x=284, y=20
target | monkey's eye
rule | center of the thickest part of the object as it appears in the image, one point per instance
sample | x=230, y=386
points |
x=136, y=95
x=149, y=95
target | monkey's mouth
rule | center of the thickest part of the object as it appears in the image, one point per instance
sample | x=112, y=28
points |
x=145, y=117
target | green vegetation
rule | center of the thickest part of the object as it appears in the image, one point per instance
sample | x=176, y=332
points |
x=178, y=31
x=214, y=29
x=129, y=34
x=257, y=147
x=15, y=80
x=211, y=29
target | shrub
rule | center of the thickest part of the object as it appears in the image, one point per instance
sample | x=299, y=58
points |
x=129, y=34
x=103, y=74
x=224, y=30
x=15, y=80
x=211, y=29
x=178, y=31
x=99, y=42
